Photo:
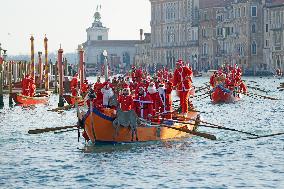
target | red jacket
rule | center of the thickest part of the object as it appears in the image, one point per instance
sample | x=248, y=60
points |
x=165, y=101
x=85, y=88
x=143, y=105
x=126, y=102
x=182, y=78
x=74, y=82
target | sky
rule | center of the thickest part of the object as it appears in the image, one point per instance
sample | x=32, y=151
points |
x=65, y=22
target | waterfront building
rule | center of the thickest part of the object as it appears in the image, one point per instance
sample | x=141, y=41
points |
x=121, y=53
x=174, y=32
x=274, y=34
x=143, y=52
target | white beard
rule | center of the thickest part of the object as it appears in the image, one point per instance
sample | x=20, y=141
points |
x=161, y=90
x=152, y=90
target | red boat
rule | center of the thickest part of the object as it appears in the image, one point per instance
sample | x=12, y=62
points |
x=72, y=99
x=27, y=100
x=224, y=95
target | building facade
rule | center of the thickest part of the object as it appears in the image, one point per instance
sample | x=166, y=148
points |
x=143, y=52
x=174, y=32
x=210, y=33
x=274, y=35
x=121, y=53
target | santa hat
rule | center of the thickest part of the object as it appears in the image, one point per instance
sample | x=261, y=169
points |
x=125, y=86
x=161, y=84
x=106, y=84
x=151, y=84
x=179, y=62
x=170, y=83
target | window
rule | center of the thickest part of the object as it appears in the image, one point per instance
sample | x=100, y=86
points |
x=253, y=11
x=253, y=29
x=266, y=43
x=100, y=37
x=266, y=27
x=253, y=48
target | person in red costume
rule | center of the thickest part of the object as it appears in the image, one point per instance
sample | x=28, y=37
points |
x=25, y=85
x=183, y=84
x=212, y=79
x=85, y=87
x=143, y=104
x=152, y=91
x=136, y=74
x=165, y=99
x=32, y=87
x=99, y=95
x=74, y=84
x=126, y=100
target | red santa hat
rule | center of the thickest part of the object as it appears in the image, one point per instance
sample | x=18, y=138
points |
x=106, y=84
x=170, y=83
x=125, y=86
x=179, y=62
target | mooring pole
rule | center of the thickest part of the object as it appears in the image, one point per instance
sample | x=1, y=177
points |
x=60, y=70
x=1, y=81
x=32, y=71
x=46, y=70
x=81, y=65
x=55, y=80
x=10, y=82
x=40, y=69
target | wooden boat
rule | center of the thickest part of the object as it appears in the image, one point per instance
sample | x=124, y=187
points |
x=72, y=99
x=41, y=98
x=99, y=128
x=224, y=95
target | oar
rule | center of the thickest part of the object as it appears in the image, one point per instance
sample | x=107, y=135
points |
x=58, y=132
x=264, y=136
x=262, y=96
x=212, y=125
x=257, y=88
x=45, y=130
x=78, y=113
x=196, y=133
x=67, y=107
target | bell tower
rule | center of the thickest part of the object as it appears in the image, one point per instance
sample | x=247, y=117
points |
x=97, y=31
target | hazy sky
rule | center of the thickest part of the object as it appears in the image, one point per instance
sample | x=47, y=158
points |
x=65, y=22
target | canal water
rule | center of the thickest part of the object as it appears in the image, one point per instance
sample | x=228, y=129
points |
x=233, y=161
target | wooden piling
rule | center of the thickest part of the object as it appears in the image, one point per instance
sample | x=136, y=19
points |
x=55, y=75
x=32, y=71
x=1, y=82
x=46, y=70
x=60, y=70
x=40, y=69
x=81, y=65
x=10, y=82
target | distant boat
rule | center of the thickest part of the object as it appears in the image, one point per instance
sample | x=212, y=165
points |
x=41, y=98
x=224, y=95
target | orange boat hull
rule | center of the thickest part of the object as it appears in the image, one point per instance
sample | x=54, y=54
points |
x=27, y=100
x=102, y=130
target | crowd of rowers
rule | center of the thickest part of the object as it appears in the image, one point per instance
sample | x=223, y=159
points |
x=147, y=96
x=229, y=78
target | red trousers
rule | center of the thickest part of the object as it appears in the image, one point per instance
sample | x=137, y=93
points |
x=184, y=95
